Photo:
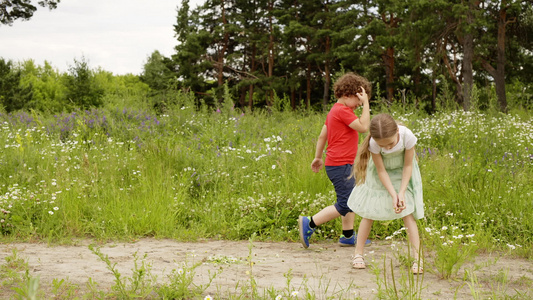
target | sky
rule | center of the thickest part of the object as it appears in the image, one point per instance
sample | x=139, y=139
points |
x=116, y=35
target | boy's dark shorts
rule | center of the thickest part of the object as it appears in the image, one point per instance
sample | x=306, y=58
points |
x=339, y=176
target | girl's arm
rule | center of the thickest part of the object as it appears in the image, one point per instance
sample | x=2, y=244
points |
x=384, y=177
x=407, y=170
x=317, y=163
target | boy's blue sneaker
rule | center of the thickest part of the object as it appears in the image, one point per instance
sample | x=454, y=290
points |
x=350, y=242
x=347, y=242
x=305, y=230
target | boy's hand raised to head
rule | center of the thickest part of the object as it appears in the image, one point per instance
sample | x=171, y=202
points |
x=363, y=96
x=363, y=122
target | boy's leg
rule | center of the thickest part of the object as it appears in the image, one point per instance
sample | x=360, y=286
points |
x=347, y=221
x=327, y=214
x=307, y=225
x=348, y=237
x=343, y=182
x=341, y=178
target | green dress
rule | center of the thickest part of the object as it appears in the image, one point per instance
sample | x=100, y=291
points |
x=372, y=201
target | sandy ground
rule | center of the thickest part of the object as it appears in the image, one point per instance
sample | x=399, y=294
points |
x=324, y=269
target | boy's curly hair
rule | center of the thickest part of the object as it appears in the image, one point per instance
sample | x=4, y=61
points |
x=350, y=84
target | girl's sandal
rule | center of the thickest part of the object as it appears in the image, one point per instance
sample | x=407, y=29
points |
x=417, y=269
x=358, y=262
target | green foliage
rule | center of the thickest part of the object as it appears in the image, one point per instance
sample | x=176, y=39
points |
x=520, y=96
x=181, y=283
x=269, y=51
x=83, y=90
x=294, y=47
x=405, y=285
x=10, y=271
x=63, y=289
x=28, y=291
x=47, y=87
x=123, y=91
x=11, y=10
x=13, y=95
x=139, y=285
x=451, y=247
x=157, y=73
x=15, y=276
x=190, y=173
x=27, y=86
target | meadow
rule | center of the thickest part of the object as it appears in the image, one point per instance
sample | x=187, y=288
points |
x=120, y=173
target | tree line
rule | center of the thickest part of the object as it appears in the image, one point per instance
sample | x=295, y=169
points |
x=264, y=49
x=28, y=86
x=260, y=51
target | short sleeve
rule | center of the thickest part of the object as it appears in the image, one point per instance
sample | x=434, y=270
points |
x=409, y=138
x=346, y=115
x=374, y=147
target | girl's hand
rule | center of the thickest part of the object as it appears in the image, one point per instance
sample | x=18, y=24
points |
x=400, y=203
x=395, y=204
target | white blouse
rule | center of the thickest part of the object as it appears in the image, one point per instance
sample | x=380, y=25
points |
x=407, y=141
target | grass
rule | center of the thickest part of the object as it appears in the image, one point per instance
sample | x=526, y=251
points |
x=121, y=174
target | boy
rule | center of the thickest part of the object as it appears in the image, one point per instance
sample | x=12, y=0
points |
x=341, y=132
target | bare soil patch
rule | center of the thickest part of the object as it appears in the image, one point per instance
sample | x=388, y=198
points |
x=324, y=269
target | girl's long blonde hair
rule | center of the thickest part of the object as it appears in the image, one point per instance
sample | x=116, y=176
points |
x=382, y=126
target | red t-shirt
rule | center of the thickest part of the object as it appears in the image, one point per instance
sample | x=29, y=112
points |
x=342, y=140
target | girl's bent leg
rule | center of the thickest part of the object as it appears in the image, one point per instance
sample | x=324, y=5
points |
x=362, y=235
x=412, y=232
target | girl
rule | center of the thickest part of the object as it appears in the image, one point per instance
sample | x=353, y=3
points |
x=389, y=185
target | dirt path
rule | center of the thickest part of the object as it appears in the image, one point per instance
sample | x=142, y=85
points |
x=323, y=269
